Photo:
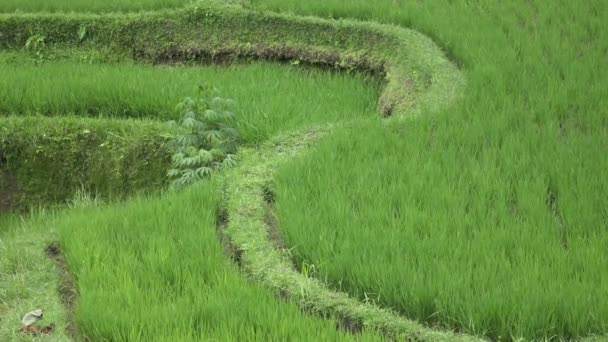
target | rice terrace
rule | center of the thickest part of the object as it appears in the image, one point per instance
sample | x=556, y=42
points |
x=318, y=170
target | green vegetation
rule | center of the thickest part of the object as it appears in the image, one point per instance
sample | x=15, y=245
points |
x=28, y=279
x=46, y=160
x=155, y=270
x=428, y=252
x=329, y=96
x=253, y=233
x=159, y=257
x=491, y=215
x=128, y=156
x=87, y=5
x=416, y=75
x=270, y=98
x=206, y=140
x=480, y=209
x=147, y=269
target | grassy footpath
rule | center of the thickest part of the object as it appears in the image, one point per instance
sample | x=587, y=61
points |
x=489, y=216
x=271, y=98
x=28, y=279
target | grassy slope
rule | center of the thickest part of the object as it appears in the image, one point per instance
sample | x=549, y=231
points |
x=271, y=98
x=494, y=188
x=87, y=5
x=53, y=157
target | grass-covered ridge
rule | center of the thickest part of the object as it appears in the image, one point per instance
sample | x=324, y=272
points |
x=27, y=278
x=45, y=161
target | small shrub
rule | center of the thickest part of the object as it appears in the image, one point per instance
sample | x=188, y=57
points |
x=206, y=139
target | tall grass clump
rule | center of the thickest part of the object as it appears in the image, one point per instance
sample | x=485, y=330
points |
x=489, y=216
x=154, y=269
x=472, y=251
x=271, y=98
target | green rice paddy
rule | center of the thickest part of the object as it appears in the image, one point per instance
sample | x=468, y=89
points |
x=270, y=97
x=511, y=180
x=195, y=291
x=147, y=270
x=487, y=217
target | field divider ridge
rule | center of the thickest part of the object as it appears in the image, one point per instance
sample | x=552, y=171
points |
x=248, y=234
x=418, y=77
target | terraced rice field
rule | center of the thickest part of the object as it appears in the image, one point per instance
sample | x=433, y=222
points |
x=406, y=170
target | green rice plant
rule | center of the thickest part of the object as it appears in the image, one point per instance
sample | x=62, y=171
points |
x=153, y=269
x=488, y=216
x=291, y=97
x=457, y=247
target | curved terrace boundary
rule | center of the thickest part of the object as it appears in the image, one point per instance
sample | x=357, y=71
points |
x=418, y=79
x=418, y=76
x=249, y=233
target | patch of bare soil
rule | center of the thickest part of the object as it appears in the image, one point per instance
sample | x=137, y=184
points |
x=67, y=288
